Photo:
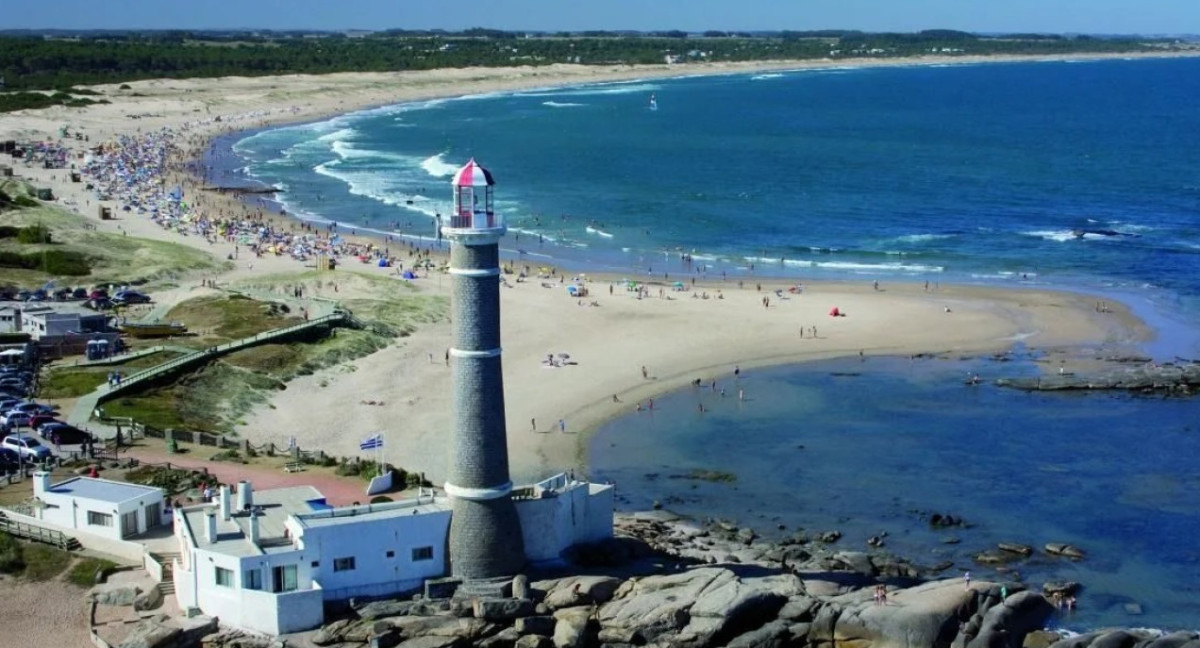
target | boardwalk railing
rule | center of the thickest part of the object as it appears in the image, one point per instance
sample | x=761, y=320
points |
x=37, y=533
x=87, y=404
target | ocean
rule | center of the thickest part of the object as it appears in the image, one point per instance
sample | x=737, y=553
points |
x=1077, y=175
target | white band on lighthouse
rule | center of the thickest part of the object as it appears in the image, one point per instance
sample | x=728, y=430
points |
x=486, y=353
x=475, y=272
x=463, y=492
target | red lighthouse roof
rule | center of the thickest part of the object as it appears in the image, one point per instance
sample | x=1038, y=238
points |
x=473, y=175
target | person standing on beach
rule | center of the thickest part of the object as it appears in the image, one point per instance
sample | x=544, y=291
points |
x=533, y=424
x=645, y=374
x=562, y=425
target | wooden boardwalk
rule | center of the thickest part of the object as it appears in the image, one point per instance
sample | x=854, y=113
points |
x=87, y=404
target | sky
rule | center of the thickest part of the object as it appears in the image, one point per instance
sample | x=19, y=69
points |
x=1046, y=16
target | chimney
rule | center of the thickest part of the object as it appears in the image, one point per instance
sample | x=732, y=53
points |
x=245, y=496
x=41, y=482
x=226, y=501
x=210, y=526
x=253, y=527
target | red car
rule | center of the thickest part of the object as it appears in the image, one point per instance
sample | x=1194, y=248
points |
x=38, y=420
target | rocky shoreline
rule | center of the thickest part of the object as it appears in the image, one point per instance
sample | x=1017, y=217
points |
x=665, y=581
x=668, y=582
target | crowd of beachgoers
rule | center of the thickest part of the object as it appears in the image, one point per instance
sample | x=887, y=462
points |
x=156, y=175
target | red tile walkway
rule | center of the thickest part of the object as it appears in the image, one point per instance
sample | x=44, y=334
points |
x=338, y=491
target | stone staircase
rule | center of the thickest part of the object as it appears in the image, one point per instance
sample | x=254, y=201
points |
x=485, y=588
x=167, y=586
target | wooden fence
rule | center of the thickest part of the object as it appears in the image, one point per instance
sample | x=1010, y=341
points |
x=37, y=533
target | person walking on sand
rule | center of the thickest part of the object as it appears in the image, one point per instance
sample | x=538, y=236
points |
x=645, y=374
x=533, y=424
x=562, y=425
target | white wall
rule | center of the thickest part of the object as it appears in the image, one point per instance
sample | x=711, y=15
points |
x=553, y=524
x=368, y=542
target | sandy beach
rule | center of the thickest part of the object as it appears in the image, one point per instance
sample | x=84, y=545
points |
x=677, y=337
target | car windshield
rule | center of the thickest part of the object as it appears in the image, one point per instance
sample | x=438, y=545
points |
x=31, y=443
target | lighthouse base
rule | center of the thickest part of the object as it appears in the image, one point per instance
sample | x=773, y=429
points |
x=485, y=538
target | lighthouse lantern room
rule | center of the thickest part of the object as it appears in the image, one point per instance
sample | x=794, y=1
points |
x=473, y=203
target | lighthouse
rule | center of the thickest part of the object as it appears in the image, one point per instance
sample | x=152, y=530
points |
x=485, y=532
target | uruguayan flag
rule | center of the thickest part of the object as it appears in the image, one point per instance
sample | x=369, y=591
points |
x=371, y=443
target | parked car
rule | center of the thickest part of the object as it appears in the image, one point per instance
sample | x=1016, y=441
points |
x=38, y=420
x=9, y=403
x=26, y=446
x=79, y=293
x=31, y=408
x=14, y=419
x=130, y=297
x=63, y=434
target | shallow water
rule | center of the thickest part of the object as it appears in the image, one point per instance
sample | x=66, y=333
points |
x=875, y=446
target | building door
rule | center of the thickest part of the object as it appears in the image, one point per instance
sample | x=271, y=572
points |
x=153, y=515
x=283, y=578
x=129, y=524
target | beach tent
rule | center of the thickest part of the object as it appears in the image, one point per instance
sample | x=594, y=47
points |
x=408, y=274
x=383, y=263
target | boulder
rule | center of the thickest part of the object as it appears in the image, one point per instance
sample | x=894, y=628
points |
x=115, y=595
x=577, y=590
x=929, y=614
x=1062, y=588
x=442, y=626
x=501, y=609
x=1064, y=550
x=538, y=625
x=800, y=607
x=618, y=636
x=330, y=634
x=775, y=634
x=149, y=600
x=1016, y=548
x=506, y=638
x=520, y=586
x=657, y=606
x=1007, y=623
x=1174, y=640
x=855, y=561
x=431, y=642
x=570, y=631
x=151, y=633
x=385, y=609
x=534, y=641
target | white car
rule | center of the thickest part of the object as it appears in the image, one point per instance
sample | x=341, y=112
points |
x=15, y=418
x=27, y=447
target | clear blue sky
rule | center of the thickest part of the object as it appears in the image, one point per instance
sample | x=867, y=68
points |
x=1084, y=16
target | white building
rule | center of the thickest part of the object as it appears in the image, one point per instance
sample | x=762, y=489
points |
x=108, y=509
x=267, y=561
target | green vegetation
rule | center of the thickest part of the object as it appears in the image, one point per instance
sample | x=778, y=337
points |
x=72, y=248
x=172, y=480
x=43, y=562
x=83, y=572
x=36, y=63
x=231, y=318
x=72, y=382
x=36, y=562
x=11, y=560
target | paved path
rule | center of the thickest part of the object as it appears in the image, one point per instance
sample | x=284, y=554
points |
x=86, y=404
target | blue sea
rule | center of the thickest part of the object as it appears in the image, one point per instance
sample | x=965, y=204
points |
x=1077, y=175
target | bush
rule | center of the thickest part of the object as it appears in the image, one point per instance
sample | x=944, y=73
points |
x=33, y=234
x=11, y=560
x=84, y=572
x=380, y=499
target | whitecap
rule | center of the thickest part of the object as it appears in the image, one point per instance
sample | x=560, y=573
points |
x=562, y=104
x=438, y=167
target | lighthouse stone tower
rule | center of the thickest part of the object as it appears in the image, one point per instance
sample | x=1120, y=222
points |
x=485, y=532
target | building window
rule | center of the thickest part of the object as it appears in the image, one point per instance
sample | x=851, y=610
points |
x=391, y=554
x=96, y=518
x=343, y=564
x=252, y=579
x=284, y=579
x=224, y=577
x=315, y=564
x=422, y=553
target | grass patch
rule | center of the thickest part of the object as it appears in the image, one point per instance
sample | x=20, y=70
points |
x=83, y=572
x=232, y=318
x=11, y=560
x=211, y=400
x=109, y=258
x=72, y=383
x=43, y=562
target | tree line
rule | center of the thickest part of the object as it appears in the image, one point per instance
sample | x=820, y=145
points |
x=60, y=63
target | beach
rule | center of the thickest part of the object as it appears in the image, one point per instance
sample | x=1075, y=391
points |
x=614, y=350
